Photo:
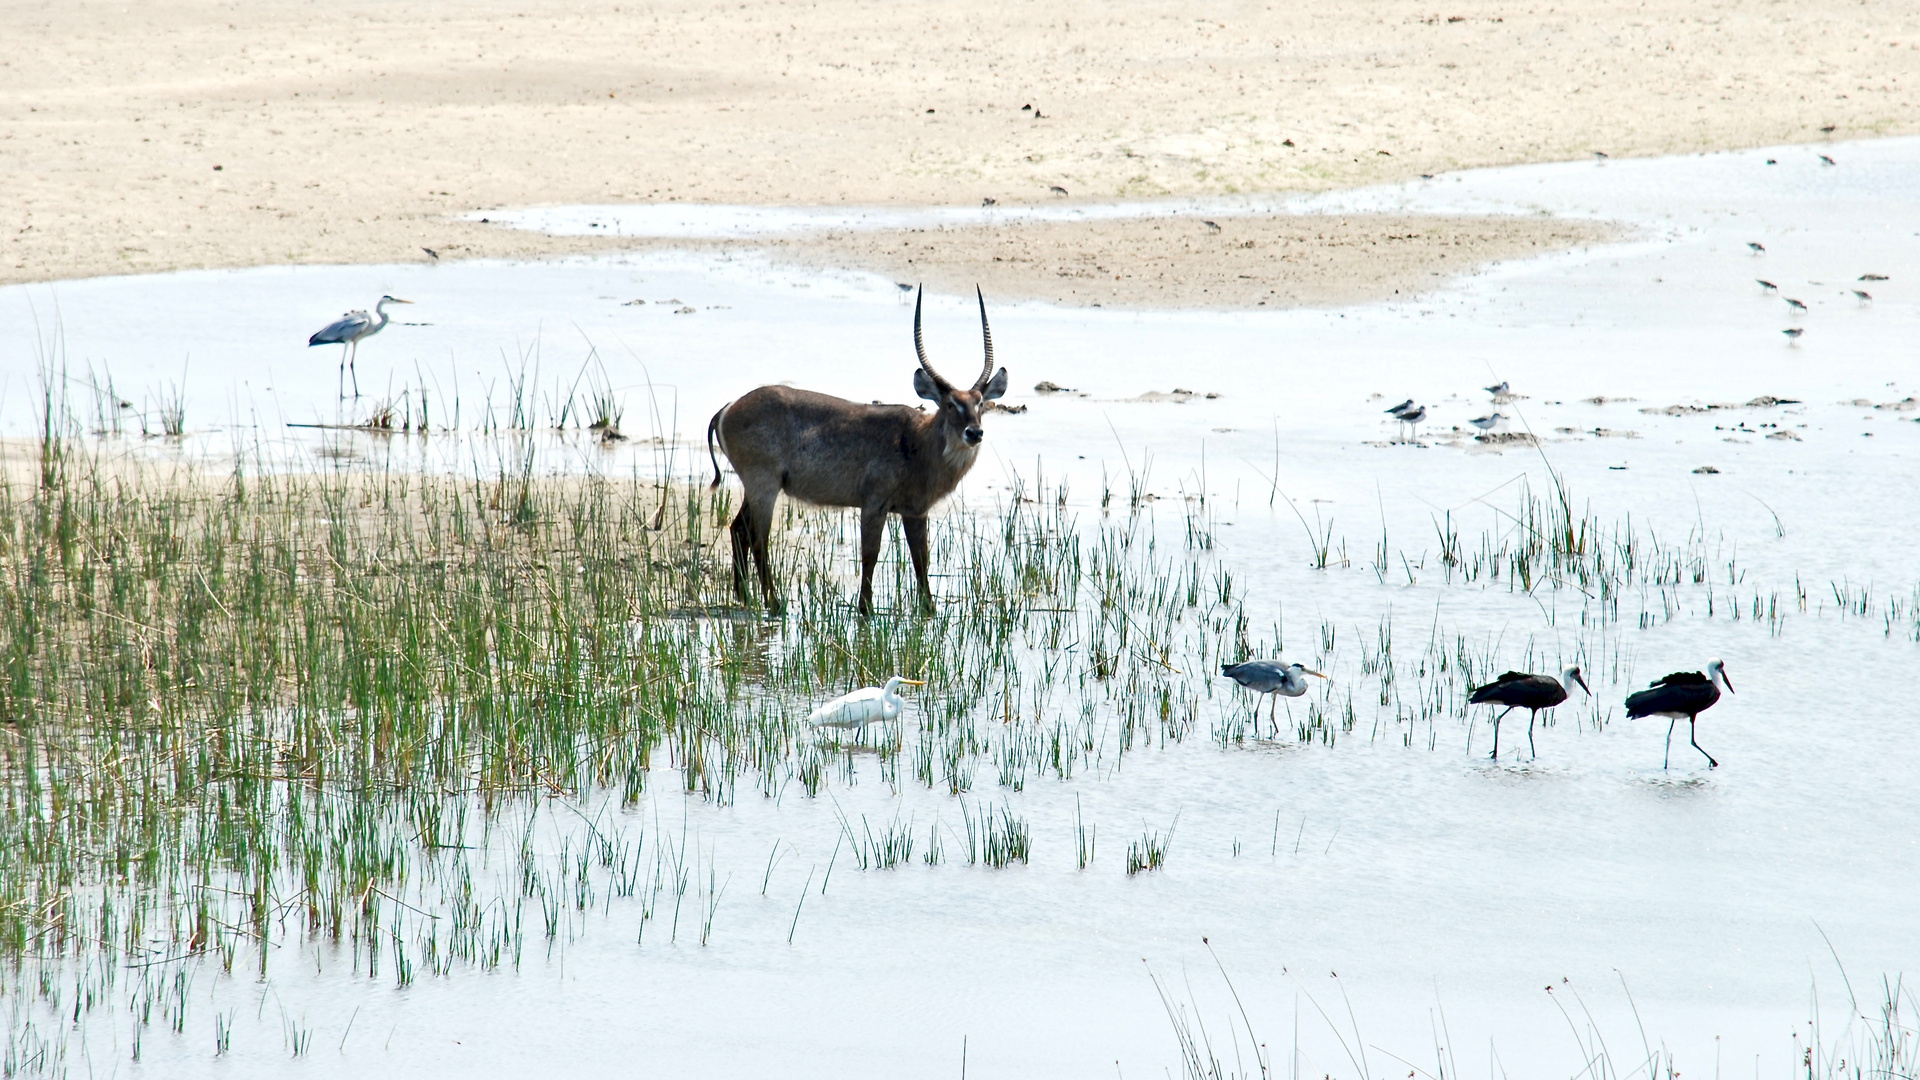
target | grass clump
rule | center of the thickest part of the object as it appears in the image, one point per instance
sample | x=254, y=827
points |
x=1149, y=852
x=998, y=838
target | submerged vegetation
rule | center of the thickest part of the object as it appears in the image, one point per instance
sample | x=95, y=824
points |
x=258, y=708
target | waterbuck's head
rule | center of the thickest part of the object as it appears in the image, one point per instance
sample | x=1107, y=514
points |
x=959, y=410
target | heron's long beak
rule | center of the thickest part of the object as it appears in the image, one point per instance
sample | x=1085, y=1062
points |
x=914, y=682
x=397, y=300
x=1310, y=671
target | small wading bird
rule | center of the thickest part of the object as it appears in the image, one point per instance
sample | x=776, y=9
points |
x=1487, y=422
x=1793, y=334
x=1682, y=694
x=1497, y=389
x=1798, y=307
x=1399, y=412
x=1412, y=418
x=1273, y=678
x=1863, y=296
x=864, y=706
x=1873, y=277
x=1767, y=285
x=347, y=331
x=1758, y=249
x=1519, y=690
x=880, y=459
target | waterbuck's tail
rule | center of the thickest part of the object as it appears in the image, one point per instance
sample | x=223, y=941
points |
x=713, y=430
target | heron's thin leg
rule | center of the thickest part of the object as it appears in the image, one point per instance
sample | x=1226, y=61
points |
x=1273, y=714
x=1711, y=764
x=1668, y=760
x=340, y=384
x=355, y=355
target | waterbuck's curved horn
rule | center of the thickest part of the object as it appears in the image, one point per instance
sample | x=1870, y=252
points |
x=986, y=335
x=919, y=347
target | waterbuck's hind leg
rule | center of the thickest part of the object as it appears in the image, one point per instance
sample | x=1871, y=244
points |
x=873, y=529
x=742, y=530
x=759, y=534
x=915, y=529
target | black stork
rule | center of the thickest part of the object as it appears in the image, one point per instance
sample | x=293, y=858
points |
x=1519, y=690
x=1275, y=677
x=1683, y=693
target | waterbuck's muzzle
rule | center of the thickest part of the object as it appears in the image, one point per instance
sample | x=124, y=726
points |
x=973, y=435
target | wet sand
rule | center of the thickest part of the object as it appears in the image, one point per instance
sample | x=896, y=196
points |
x=190, y=134
x=1226, y=263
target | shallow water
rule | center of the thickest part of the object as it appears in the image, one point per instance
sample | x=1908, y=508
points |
x=1427, y=878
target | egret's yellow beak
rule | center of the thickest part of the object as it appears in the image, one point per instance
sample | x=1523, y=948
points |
x=914, y=682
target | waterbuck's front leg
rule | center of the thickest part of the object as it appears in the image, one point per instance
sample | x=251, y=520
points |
x=916, y=530
x=873, y=529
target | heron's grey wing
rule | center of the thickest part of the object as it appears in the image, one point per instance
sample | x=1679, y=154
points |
x=1261, y=675
x=341, y=329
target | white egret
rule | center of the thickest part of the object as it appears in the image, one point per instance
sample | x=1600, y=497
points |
x=863, y=706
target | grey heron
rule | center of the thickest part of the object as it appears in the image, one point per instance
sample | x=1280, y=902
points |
x=348, y=330
x=1272, y=677
x=863, y=706
x=1683, y=693
x=1519, y=690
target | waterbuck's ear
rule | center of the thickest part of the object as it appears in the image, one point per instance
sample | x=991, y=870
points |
x=924, y=385
x=997, y=387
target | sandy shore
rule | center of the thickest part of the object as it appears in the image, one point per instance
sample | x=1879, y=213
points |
x=193, y=134
x=1235, y=262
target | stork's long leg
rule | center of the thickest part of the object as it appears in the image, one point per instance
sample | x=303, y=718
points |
x=1496, y=732
x=1668, y=760
x=1531, y=717
x=1711, y=764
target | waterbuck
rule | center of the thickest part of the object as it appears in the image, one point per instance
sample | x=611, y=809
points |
x=882, y=459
